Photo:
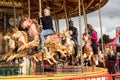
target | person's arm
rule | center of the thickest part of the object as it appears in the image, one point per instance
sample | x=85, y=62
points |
x=94, y=36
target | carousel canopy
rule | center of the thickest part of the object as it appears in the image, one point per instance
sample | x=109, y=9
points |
x=57, y=6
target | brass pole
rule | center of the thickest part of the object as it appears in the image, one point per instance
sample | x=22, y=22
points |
x=58, y=27
x=100, y=19
x=84, y=15
x=14, y=13
x=55, y=20
x=85, y=18
x=66, y=16
x=29, y=8
x=40, y=10
x=5, y=22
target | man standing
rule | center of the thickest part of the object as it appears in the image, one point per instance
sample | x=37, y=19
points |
x=74, y=35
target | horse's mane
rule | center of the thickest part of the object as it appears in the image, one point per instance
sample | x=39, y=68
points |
x=36, y=23
x=25, y=36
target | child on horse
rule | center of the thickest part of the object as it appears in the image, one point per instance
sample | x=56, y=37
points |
x=47, y=27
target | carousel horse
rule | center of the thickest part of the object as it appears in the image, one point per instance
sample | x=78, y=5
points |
x=53, y=45
x=20, y=38
x=56, y=46
x=69, y=44
x=88, y=52
x=23, y=39
x=11, y=44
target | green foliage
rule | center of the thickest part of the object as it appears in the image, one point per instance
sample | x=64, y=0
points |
x=106, y=39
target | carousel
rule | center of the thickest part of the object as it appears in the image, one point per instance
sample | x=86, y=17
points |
x=18, y=57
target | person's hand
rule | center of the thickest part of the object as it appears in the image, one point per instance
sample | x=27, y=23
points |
x=71, y=32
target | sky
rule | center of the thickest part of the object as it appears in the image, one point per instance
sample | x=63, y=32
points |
x=110, y=19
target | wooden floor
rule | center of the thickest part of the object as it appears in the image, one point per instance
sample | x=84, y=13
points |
x=87, y=71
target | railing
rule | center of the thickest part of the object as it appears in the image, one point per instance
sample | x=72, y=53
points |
x=100, y=77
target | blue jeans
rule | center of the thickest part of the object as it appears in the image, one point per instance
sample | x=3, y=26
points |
x=43, y=34
x=76, y=47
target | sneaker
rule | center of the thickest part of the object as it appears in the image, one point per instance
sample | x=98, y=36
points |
x=96, y=62
x=42, y=50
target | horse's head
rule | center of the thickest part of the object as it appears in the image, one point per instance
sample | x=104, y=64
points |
x=86, y=37
x=16, y=33
x=7, y=36
x=66, y=33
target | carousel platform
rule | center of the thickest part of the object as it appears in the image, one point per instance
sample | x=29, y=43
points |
x=86, y=71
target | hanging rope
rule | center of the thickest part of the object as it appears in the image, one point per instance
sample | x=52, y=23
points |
x=80, y=31
x=40, y=13
x=40, y=7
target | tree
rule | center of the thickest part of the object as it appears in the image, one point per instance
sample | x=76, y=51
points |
x=106, y=39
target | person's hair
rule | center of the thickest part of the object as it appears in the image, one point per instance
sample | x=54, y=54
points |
x=70, y=21
x=48, y=8
x=89, y=26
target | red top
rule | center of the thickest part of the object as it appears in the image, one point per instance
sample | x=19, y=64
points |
x=94, y=37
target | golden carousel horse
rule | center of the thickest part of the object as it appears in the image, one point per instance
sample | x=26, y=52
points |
x=20, y=38
x=23, y=39
x=11, y=44
x=69, y=44
x=53, y=45
x=88, y=51
x=87, y=48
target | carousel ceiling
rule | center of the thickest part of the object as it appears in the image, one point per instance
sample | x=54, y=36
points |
x=57, y=6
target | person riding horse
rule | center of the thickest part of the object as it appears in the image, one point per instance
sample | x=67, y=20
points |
x=47, y=27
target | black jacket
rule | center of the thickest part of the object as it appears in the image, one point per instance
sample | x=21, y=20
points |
x=46, y=22
x=75, y=32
